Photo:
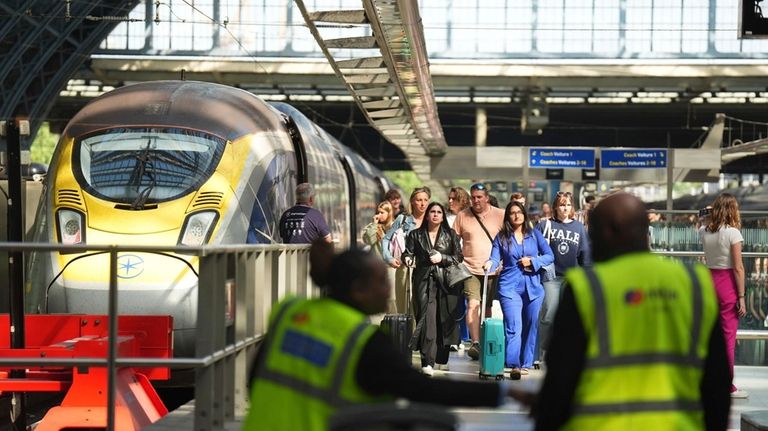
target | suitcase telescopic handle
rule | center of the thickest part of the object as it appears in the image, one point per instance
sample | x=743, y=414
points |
x=408, y=291
x=485, y=296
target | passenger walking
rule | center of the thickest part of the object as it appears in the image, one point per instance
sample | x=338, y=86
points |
x=636, y=343
x=393, y=243
x=458, y=201
x=520, y=198
x=320, y=354
x=431, y=248
x=523, y=252
x=477, y=226
x=722, y=254
x=373, y=235
x=583, y=215
x=374, y=232
x=394, y=198
x=569, y=243
x=302, y=224
x=546, y=211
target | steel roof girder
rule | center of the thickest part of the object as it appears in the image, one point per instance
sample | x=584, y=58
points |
x=386, y=113
x=392, y=121
x=367, y=78
x=359, y=42
x=362, y=63
x=340, y=16
x=376, y=91
x=68, y=64
x=407, y=34
x=27, y=41
x=53, y=49
x=382, y=104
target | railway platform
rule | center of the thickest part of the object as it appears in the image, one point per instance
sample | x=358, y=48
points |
x=240, y=283
x=512, y=416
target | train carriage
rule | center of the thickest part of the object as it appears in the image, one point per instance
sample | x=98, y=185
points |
x=181, y=163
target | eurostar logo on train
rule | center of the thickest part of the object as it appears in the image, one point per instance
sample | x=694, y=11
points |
x=129, y=266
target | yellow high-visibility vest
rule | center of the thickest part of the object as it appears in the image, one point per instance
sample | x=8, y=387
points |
x=313, y=349
x=648, y=321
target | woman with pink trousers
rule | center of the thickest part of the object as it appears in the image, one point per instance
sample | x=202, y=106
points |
x=722, y=253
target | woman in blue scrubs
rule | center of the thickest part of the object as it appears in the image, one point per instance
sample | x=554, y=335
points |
x=522, y=251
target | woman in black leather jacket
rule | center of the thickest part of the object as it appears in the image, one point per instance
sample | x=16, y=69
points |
x=432, y=247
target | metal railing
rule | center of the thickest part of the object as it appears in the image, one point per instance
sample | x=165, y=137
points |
x=752, y=284
x=255, y=276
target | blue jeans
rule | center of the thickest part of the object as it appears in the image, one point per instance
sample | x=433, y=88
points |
x=521, y=316
x=553, y=289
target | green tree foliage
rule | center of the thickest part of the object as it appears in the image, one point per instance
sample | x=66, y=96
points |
x=405, y=180
x=43, y=145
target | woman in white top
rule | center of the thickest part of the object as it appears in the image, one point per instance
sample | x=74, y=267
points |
x=722, y=242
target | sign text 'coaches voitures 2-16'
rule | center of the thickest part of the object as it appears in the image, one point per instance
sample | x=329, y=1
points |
x=583, y=158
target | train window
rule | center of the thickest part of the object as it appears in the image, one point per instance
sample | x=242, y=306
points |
x=146, y=165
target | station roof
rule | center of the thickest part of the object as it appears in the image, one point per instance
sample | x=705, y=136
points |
x=656, y=82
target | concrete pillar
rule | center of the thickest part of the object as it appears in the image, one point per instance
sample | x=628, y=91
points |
x=481, y=127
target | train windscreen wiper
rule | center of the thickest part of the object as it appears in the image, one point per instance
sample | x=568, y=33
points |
x=145, y=166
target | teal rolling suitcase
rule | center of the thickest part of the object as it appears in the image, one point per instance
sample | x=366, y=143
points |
x=491, y=342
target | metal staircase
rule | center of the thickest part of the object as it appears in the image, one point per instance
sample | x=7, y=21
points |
x=393, y=89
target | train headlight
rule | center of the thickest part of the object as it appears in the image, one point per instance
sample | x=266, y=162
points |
x=70, y=226
x=197, y=228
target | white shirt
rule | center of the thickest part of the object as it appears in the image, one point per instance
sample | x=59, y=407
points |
x=717, y=246
x=450, y=218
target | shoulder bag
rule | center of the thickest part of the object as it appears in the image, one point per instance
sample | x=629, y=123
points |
x=397, y=243
x=455, y=274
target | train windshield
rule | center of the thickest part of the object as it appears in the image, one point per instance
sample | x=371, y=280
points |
x=149, y=165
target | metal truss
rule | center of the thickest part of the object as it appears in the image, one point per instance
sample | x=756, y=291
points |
x=393, y=90
x=43, y=43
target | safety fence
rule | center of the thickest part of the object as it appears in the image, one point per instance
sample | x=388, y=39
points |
x=237, y=287
x=678, y=230
x=752, y=334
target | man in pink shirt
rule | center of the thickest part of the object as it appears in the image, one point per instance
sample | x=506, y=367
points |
x=477, y=226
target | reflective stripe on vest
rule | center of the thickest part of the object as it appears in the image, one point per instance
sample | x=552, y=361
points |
x=639, y=407
x=604, y=358
x=332, y=395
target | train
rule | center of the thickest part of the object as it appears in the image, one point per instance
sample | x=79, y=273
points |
x=188, y=163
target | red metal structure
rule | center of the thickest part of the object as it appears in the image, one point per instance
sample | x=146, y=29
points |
x=85, y=336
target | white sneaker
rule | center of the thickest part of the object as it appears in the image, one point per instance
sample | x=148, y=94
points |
x=442, y=367
x=739, y=394
x=461, y=345
x=428, y=371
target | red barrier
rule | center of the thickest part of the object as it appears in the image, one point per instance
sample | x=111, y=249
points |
x=86, y=336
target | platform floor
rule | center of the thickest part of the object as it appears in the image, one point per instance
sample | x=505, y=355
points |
x=513, y=416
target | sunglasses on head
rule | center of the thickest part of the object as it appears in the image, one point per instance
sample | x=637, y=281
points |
x=477, y=186
x=564, y=193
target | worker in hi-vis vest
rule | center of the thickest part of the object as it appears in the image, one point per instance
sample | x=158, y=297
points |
x=636, y=343
x=321, y=355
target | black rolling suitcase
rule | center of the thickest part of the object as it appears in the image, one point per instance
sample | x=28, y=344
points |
x=399, y=327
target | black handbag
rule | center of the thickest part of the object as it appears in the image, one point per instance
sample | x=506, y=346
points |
x=455, y=274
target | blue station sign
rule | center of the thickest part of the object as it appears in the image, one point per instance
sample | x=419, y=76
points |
x=561, y=158
x=633, y=159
